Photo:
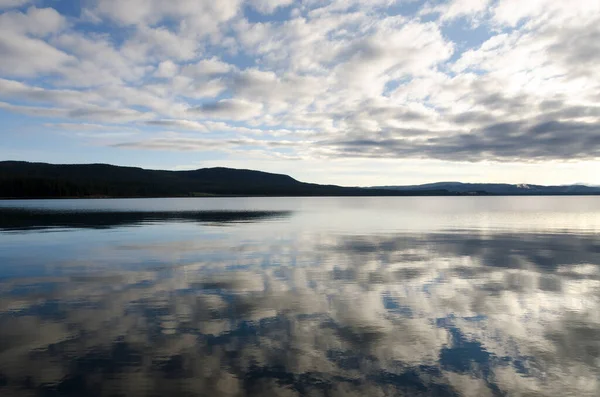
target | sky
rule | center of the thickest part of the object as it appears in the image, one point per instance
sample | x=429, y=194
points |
x=351, y=92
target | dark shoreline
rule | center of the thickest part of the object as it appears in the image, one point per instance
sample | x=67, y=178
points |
x=300, y=196
x=22, y=181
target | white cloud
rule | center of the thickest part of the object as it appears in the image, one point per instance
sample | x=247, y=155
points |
x=279, y=94
x=27, y=57
x=179, y=124
x=199, y=16
x=206, y=68
x=395, y=50
x=34, y=111
x=14, y=3
x=367, y=80
x=167, y=69
x=171, y=140
x=511, y=12
x=88, y=127
x=91, y=112
x=459, y=8
x=149, y=44
x=98, y=61
x=108, y=115
x=15, y=89
x=543, y=62
x=35, y=21
x=24, y=55
x=126, y=12
x=269, y=6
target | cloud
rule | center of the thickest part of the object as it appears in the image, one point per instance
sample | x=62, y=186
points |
x=91, y=130
x=453, y=9
x=207, y=68
x=167, y=69
x=175, y=143
x=178, y=124
x=17, y=90
x=510, y=141
x=180, y=142
x=396, y=48
x=23, y=51
x=87, y=127
x=366, y=77
x=161, y=44
x=269, y=6
x=35, y=21
x=235, y=109
x=202, y=17
x=90, y=112
x=99, y=99
x=27, y=57
x=97, y=63
x=511, y=12
x=108, y=115
x=34, y=111
x=13, y=3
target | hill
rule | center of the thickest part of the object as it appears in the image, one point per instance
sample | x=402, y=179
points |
x=40, y=180
x=19, y=179
x=497, y=188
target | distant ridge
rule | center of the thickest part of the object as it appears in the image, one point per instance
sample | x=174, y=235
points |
x=20, y=179
x=498, y=188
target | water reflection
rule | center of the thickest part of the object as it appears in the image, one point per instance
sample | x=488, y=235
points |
x=15, y=219
x=383, y=314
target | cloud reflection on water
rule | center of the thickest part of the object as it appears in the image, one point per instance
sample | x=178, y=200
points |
x=433, y=314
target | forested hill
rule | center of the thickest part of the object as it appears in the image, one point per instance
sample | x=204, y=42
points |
x=28, y=180
x=20, y=179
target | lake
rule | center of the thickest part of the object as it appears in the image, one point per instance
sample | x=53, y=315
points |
x=397, y=296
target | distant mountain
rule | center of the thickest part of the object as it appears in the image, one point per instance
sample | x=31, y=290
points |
x=20, y=179
x=27, y=180
x=497, y=188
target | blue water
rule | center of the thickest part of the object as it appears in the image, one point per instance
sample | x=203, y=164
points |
x=423, y=296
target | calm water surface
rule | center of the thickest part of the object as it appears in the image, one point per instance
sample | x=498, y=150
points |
x=440, y=296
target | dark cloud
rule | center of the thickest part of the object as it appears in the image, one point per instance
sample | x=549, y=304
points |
x=401, y=113
x=107, y=114
x=574, y=112
x=216, y=107
x=228, y=109
x=473, y=117
x=173, y=144
x=576, y=47
x=194, y=144
x=498, y=101
x=508, y=141
x=163, y=123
